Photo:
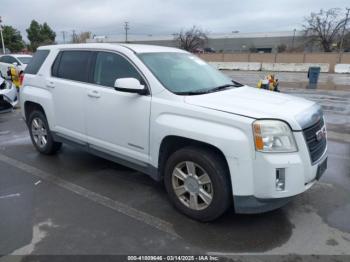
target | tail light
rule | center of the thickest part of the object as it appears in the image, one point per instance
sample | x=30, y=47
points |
x=21, y=78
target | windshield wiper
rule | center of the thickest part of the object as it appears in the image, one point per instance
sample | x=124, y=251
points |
x=236, y=84
x=219, y=88
x=199, y=92
x=211, y=90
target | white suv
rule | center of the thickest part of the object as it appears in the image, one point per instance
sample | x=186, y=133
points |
x=168, y=114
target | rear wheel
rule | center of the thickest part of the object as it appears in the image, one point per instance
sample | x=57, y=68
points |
x=41, y=135
x=198, y=184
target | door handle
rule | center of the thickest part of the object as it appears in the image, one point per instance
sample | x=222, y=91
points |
x=94, y=94
x=50, y=84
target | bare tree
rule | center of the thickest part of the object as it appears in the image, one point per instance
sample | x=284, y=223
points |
x=191, y=39
x=324, y=27
x=81, y=37
x=346, y=44
x=281, y=48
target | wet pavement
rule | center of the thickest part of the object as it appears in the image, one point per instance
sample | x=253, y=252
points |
x=77, y=203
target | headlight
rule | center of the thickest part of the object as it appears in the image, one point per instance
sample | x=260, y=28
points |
x=273, y=136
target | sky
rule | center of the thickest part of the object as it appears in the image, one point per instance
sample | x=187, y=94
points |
x=162, y=17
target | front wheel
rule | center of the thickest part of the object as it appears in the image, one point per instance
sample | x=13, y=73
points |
x=41, y=134
x=198, y=184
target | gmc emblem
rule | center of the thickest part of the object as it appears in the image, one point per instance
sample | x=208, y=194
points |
x=320, y=134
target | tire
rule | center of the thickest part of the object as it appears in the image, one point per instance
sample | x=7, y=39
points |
x=186, y=193
x=38, y=129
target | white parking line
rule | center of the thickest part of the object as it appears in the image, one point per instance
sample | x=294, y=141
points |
x=95, y=197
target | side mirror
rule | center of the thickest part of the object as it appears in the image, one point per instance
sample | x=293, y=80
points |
x=130, y=85
x=15, y=64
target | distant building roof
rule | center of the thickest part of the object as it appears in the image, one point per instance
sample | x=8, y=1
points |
x=256, y=35
x=132, y=38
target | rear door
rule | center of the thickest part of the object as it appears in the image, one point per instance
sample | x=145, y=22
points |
x=69, y=80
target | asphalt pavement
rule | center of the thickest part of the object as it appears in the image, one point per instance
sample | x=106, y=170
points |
x=77, y=203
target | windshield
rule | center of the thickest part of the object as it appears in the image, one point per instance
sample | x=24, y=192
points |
x=24, y=59
x=184, y=73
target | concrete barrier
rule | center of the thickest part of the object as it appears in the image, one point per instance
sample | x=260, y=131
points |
x=237, y=66
x=342, y=68
x=277, y=67
x=293, y=67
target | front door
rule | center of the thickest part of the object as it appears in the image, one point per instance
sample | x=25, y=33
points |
x=117, y=122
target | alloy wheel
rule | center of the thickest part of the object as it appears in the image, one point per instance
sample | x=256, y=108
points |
x=39, y=132
x=192, y=185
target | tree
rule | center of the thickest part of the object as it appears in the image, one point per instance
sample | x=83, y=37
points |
x=346, y=44
x=281, y=48
x=12, y=39
x=324, y=27
x=47, y=34
x=40, y=35
x=81, y=38
x=191, y=39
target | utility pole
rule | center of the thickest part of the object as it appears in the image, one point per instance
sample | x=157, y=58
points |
x=126, y=28
x=293, y=38
x=73, y=37
x=64, y=36
x=343, y=33
x=2, y=37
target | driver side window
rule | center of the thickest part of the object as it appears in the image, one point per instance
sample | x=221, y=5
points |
x=111, y=66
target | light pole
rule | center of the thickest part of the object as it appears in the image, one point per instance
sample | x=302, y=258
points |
x=2, y=37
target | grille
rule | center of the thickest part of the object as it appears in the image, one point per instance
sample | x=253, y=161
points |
x=316, y=148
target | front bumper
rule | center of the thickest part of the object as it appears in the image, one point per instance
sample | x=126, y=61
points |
x=253, y=205
x=299, y=175
x=5, y=105
x=8, y=99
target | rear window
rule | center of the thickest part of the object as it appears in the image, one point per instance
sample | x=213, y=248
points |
x=36, y=62
x=24, y=59
x=3, y=59
x=72, y=65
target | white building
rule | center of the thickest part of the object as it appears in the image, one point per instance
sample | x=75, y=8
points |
x=235, y=42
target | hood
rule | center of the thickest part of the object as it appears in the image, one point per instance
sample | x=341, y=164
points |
x=258, y=104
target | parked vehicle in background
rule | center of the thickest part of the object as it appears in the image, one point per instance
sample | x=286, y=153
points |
x=198, y=50
x=209, y=50
x=167, y=113
x=8, y=95
x=19, y=60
